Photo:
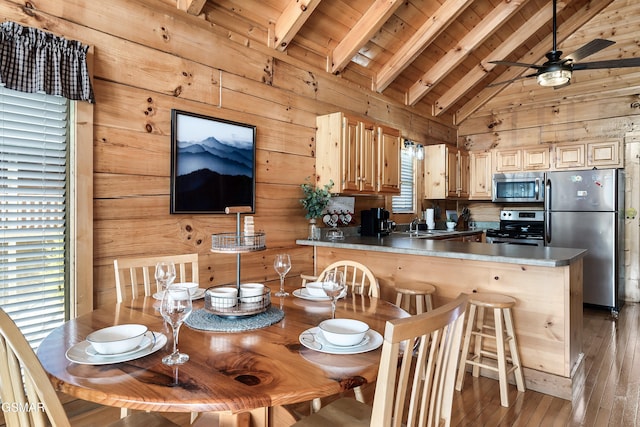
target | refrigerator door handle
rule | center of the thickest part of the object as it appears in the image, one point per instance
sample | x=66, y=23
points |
x=547, y=212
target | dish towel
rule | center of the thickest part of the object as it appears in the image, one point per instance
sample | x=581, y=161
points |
x=205, y=321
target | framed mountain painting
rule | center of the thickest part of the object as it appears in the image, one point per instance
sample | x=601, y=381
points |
x=212, y=164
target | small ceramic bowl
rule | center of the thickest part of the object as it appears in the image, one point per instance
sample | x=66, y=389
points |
x=223, y=297
x=451, y=225
x=117, y=339
x=251, y=292
x=343, y=332
x=314, y=289
x=192, y=287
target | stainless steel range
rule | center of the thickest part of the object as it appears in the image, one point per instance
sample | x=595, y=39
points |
x=519, y=228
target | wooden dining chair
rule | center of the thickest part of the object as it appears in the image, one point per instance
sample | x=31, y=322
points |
x=359, y=278
x=140, y=272
x=360, y=281
x=410, y=391
x=26, y=389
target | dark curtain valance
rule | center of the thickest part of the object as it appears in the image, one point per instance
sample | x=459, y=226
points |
x=32, y=60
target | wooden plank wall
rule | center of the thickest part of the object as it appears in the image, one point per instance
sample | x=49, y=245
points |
x=602, y=104
x=149, y=58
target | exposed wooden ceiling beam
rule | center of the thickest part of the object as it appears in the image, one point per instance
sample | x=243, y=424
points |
x=410, y=50
x=292, y=19
x=373, y=19
x=455, y=56
x=571, y=25
x=192, y=7
x=477, y=73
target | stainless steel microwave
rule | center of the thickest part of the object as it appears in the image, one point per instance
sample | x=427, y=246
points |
x=524, y=187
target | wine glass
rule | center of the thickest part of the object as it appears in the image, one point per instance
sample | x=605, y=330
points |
x=175, y=308
x=165, y=274
x=282, y=265
x=333, y=285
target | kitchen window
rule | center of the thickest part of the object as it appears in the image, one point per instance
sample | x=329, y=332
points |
x=405, y=202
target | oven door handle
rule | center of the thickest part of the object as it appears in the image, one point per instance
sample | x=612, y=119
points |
x=547, y=212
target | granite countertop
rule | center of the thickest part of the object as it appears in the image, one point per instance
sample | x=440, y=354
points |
x=402, y=244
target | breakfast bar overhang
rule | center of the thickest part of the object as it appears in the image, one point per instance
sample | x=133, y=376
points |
x=546, y=282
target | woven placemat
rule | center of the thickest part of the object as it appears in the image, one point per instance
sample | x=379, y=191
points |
x=205, y=321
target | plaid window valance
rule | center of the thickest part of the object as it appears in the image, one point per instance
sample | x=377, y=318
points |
x=32, y=60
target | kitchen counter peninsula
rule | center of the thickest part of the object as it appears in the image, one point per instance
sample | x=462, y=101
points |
x=546, y=282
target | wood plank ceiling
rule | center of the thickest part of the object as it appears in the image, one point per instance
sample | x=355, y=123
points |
x=433, y=54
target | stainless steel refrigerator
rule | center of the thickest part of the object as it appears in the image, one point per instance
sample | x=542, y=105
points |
x=585, y=209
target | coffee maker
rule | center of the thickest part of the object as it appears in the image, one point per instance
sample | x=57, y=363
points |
x=375, y=222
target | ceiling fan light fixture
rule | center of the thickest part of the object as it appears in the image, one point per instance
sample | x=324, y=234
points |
x=554, y=78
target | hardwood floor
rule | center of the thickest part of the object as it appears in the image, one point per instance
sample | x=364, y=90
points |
x=609, y=397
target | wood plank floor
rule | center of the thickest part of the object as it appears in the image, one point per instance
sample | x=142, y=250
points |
x=609, y=397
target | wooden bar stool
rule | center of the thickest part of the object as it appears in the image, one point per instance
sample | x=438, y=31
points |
x=501, y=306
x=422, y=298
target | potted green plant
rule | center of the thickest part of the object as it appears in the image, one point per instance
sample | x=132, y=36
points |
x=315, y=200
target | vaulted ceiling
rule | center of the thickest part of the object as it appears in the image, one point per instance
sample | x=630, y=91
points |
x=432, y=53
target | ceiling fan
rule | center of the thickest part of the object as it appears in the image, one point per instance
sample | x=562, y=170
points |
x=557, y=71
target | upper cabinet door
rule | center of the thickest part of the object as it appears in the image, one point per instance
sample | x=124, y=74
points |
x=368, y=157
x=389, y=141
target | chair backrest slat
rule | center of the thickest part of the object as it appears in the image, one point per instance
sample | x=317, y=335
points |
x=427, y=371
x=359, y=278
x=127, y=271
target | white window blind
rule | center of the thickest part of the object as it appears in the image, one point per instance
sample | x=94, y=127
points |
x=33, y=181
x=404, y=202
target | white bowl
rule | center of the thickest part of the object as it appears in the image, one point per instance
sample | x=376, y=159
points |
x=223, y=297
x=315, y=289
x=252, y=290
x=192, y=287
x=451, y=225
x=343, y=332
x=117, y=339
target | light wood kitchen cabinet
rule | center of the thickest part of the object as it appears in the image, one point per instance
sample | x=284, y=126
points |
x=536, y=158
x=361, y=157
x=569, y=156
x=588, y=155
x=389, y=143
x=446, y=172
x=508, y=160
x=605, y=153
x=480, y=175
x=524, y=159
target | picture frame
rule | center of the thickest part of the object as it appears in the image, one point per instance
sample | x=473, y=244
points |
x=212, y=164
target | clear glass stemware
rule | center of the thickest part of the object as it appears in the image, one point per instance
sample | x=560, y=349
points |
x=175, y=308
x=282, y=265
x=333, y=285
x=165, y=275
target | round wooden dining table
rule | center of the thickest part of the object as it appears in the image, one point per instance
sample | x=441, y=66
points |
x=227, y=371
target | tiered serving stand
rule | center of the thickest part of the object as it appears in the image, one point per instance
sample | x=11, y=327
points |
x=238, y=243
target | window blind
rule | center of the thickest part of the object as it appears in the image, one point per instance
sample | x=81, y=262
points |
x=33, y=178
x=404, y=202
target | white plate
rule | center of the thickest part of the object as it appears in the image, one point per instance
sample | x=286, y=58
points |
x=313, y=339
x=199, y=293
x=79, y=353
x=304, y=294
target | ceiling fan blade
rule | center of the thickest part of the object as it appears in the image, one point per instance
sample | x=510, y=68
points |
x=589, y=49
x=511, y=80
x=515, y=64
x=612, y=63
